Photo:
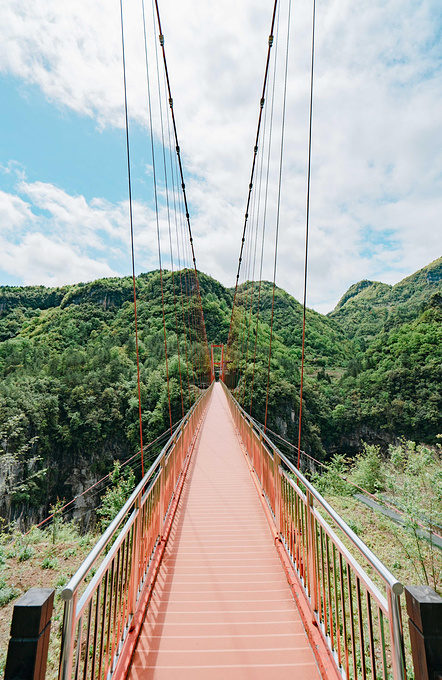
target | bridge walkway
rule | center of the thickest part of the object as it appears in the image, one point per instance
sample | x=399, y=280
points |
x=221, y=607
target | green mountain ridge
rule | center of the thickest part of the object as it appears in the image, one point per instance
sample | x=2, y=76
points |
x=368, y=307
x=68, y=404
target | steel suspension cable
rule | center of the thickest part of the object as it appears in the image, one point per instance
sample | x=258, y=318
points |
x=256, y=234
x=182, y=306
x=183, y=186
x=153, y=154
x=170, y=244
x=255, y=152
x=307, y=220
x=264, y=221
x=172, y=175
x=159, y=235
x=278, y=209
x=250, y=277
x=243, y=299
x=188, y=288
x=126, y=118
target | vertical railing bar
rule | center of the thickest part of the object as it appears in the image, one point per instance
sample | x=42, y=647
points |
x=120, y=600
x=114, y=622
x=371, y=635
x=130, y=569
x=97, y=617
x=109, y=620
x=382, y=640
x=352, y=623
x=136, y=570
x=361, y=628
x=330, y=606
x=317, y=568
x=337, y=619
x=261, y=460
x=126, y=608
x=277, y=492
x=312, y=553
x=283, y=507
x=103, y=625
x=88, y=636
x=344, y=618
x=298, y=536
x=291, y=525
x=79, y=645
x=324, y=599
x=302, y=544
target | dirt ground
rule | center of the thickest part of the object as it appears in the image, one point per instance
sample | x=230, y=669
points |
x=36, y=562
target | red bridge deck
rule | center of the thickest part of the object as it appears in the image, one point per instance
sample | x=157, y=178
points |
x=221, y=608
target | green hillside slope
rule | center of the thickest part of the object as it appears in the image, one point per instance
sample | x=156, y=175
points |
x=368, y=307
x=68, y=393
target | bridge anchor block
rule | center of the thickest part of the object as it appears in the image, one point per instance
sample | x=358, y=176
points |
x=424, y=609
x=30, y=628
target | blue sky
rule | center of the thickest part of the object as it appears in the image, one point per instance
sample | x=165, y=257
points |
x=377, y=140
x=57, y=146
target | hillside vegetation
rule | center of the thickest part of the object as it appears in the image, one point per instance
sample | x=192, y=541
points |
x=68, y=394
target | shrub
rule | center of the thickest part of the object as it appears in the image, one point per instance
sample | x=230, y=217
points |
x=25, y=553
x=49, y=562
x=7, y=593
x=116, y=496
x=368, y=472
x=331, y=480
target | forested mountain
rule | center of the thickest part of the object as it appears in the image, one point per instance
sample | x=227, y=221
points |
x=68, y=395
x=370, y=307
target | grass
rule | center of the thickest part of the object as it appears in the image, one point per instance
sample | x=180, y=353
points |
x=34, y=561
x=391, y=544
x=7, y=592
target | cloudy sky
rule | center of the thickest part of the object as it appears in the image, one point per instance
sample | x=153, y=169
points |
x=376, y=200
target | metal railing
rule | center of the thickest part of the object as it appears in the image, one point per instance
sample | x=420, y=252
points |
x=101, y=602
x=362, y=625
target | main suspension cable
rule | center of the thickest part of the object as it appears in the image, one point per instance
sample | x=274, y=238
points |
x=183, y=186
x=255, y=152
x=131, y=234
x=158, y=229
x=278, y=209
x=307, y=220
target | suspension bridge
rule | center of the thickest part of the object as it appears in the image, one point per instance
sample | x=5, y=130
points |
x=226, y=562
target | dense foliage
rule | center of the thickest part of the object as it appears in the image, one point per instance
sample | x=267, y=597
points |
x=68, y=390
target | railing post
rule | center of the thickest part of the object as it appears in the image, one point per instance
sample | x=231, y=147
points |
x=30, y=629
x=67, y=637
x=261, y=460
x=396, y=633
x=424, y=608
x=277, y=483
x=313, y=582
x=162, y=485
x=135, y=562
x=175, y=462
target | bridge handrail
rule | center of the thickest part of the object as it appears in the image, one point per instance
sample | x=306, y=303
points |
x=90, y=618
x=357, y=568
x=301, y=532
x=86, y=566
x=369, y=555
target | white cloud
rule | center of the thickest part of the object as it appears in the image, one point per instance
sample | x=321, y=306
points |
x=377, y=148
x=54, y=238
x=14, y=212
x=44, y=261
